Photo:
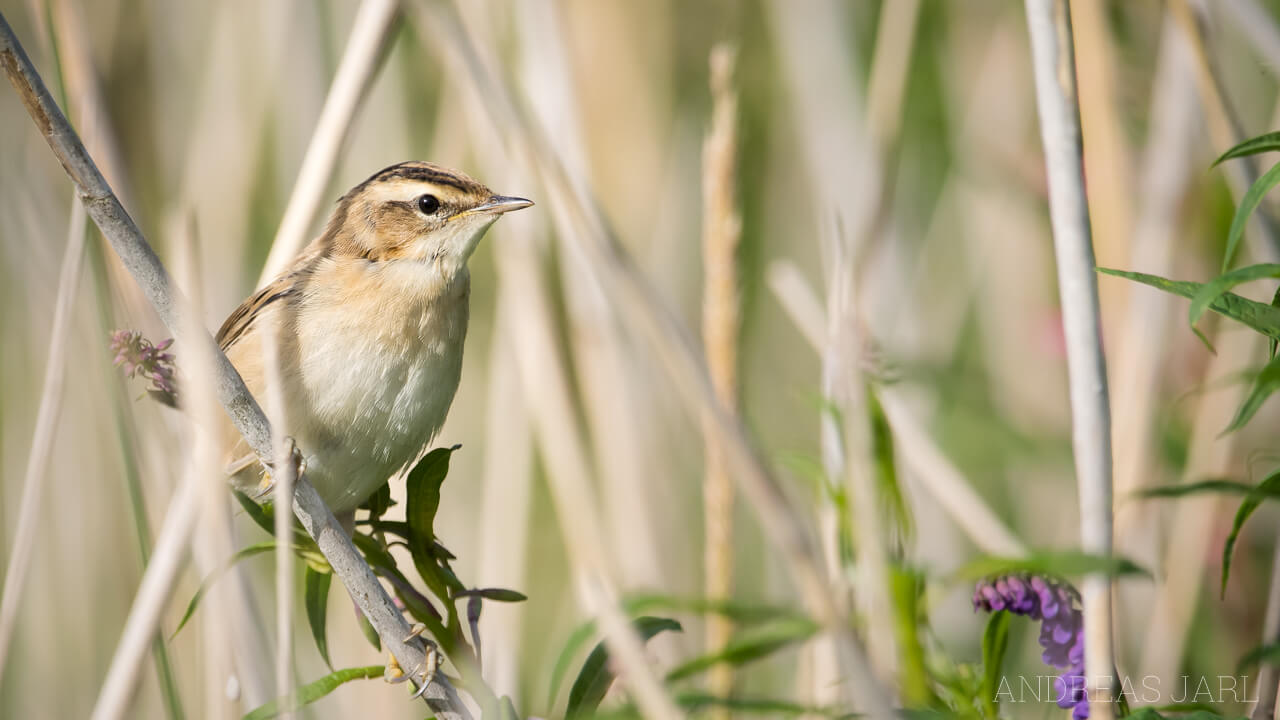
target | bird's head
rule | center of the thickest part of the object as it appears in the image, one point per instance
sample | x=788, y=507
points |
x=416, y=211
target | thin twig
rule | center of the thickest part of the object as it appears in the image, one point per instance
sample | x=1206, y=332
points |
x=372, y=28
x=29, y=514
x=118, y=227
x=1049, y=24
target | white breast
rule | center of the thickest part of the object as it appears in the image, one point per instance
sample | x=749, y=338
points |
x=375, y=384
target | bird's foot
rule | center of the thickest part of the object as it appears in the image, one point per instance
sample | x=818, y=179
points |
x=422, y=674
x=296, y=459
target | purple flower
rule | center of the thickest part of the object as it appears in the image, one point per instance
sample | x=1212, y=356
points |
x=1052, y=602
x=138, y=357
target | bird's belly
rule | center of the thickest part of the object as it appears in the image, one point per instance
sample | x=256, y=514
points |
x=369, y=406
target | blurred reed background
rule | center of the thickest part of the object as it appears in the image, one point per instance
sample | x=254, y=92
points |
x=898, y=138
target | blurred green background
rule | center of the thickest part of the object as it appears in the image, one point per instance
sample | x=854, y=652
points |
x=200, y=114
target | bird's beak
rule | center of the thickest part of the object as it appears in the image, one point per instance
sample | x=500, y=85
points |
x=499, y=204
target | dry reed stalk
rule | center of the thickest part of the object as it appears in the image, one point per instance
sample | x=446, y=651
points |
x=1049, y=25
x=721, y=319
x=167, y=559
x=546, y=386
x=1225, y=131
x=945, y=482
x=548, y=399
x=284, y=476
x=370, y=32
x=1182, y=571
x=1141, y=353
x=578, y=215
x=33, y=482
x=81, y=83
x=610, y=391
x=1111, y=177
x=845, y=168
x=890, y=63
x=1258, y=25
x=506, y=502
x=104, y=208
x=238, y=676
x=152, y=598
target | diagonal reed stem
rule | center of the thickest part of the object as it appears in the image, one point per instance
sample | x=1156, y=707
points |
x=577, y=214
x=370, y=33
x=126, y=239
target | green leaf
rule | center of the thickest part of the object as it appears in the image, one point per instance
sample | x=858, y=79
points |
x=261, y=515
x=1208, y=486
x=247, y=552
x=1268, y=654
x=370, y=634
x=887, y=468
x=577, y=639
x=1272, y=342
x=379, y=502
x=495, y=594
x=1252, y=198
x=312, y=692
x=906, y=587
x=1068, y=563
x=1268, y=142
x=995, y=642
x=740, y=613
x=1214, y=289
x=264, y=516
x=1269, y=487
x=695, y=701
x=1259, y=316
x=423, y=490
x=1265, y=383
x=750, y=644
x=317, y=601
x=596, y=676
x=422, y=503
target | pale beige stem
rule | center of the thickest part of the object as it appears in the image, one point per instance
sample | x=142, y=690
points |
x=370, y=33
x=153, y=597
x=284, y=477
x=630, y=293
x=1142, y=346
x=721, y=233
x=28, y=527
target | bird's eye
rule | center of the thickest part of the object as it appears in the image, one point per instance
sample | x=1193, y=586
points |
x=428, y=204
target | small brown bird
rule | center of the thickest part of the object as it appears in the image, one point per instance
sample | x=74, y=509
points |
x=370, y=322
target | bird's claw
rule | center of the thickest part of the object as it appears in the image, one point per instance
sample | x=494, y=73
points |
x=414, y=632
x=296, y=458
x=432, y=663
x=421, y=675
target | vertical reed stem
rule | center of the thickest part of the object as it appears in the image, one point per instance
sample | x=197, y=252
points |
x=721, y=231
x=1049, y=23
